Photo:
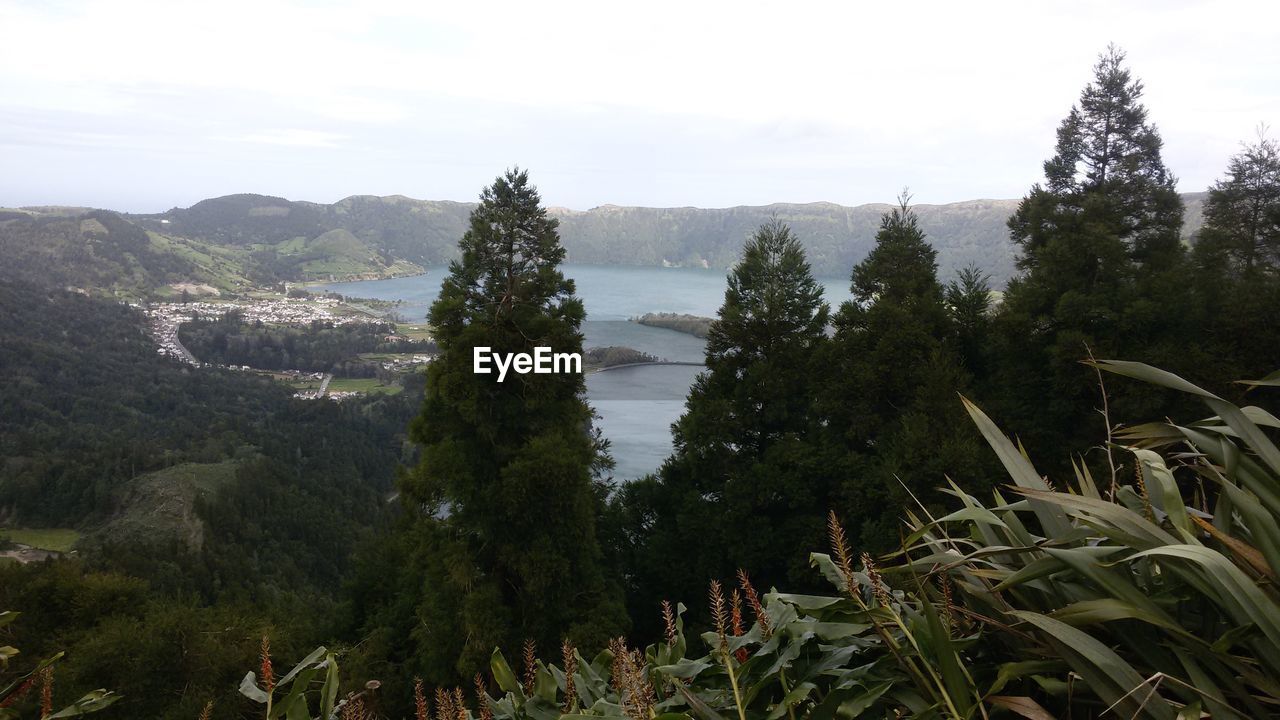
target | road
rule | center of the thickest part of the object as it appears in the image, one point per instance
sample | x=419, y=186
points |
x=186, y=354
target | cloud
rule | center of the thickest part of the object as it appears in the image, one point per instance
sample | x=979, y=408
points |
x=292, y=138
x=709, y=103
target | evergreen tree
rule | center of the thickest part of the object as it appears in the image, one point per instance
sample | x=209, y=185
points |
x=507, y=492
x=1242, y=213
x=1103, y=266
x=890, y=407
x=1237, y=254
x=745, y=486
x=1106, y=180
x=968, y=299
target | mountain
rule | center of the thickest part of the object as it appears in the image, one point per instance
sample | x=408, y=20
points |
x=297, y=240
x=238, y=241
x=835, y=237
x=426, y=232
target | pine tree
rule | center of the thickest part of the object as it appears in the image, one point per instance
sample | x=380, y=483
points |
x=890, y=405
x=1106, y=179
x=1103, y=267
x=1237, y=255
x=745, y=485
x=968, y=299
x=1242, y=213
x=507, y=489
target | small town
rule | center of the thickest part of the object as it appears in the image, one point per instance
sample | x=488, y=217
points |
x=165, y=318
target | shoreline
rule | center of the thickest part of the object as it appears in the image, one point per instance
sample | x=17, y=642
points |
x=644, y=364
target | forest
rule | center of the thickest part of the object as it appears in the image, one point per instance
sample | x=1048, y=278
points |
x=935, y=500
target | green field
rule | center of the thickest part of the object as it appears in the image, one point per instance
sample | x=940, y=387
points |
x=415, y=331
x=387, y=357
x=54, y=539
x=363, y=385
x=219, y=266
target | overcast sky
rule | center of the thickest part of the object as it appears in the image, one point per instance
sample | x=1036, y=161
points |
x=143, y=106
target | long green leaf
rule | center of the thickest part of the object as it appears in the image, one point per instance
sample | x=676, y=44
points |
x=1019, y=468
x=1114, y=680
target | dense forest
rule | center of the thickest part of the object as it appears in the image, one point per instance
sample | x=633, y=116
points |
x=212, y=505
x=850, y=524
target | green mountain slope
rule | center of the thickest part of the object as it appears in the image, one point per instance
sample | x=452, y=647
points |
x=97, y=249
x=425, y=232
x=234, y=242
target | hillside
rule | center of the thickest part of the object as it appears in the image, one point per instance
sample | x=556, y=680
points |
x=362, y=236
x=425, y=232
x=97, y=248
x=99, y=432
x=230, y=243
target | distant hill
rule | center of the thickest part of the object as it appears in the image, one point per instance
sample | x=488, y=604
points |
x=426, y=232
x=87, y=249
x=235, y=241
x=376, y=232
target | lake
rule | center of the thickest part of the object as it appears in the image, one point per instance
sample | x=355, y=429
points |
x=636, y=405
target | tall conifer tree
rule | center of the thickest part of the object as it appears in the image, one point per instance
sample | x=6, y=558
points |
x=1104, y=267
x=1237, y=255
x=1242, y=213
x=507, y=490
x=890, y=407
x=746, y=486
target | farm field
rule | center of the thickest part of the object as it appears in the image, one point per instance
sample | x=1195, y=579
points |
x=363, y=385
x=54, y=539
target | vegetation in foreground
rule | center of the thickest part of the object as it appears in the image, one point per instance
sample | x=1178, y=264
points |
x=1139, y=599
x=1106, y=595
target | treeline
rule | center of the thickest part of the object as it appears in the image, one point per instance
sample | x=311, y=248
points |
x=804, y=409
x=511, y=535
x=613, y=355
x=321, y=346
x=789, y=421
x=680, y=322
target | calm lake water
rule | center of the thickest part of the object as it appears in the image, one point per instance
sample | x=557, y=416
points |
x=636, y=405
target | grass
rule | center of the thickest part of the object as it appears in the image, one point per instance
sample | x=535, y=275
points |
x=53, y=539
x=221, y=267
x=414, y=331
x=363, y=385
x=338, y=267
x=387, y=357
x=161, y=503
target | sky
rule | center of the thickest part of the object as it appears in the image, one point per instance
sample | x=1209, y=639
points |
x=143, y=106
